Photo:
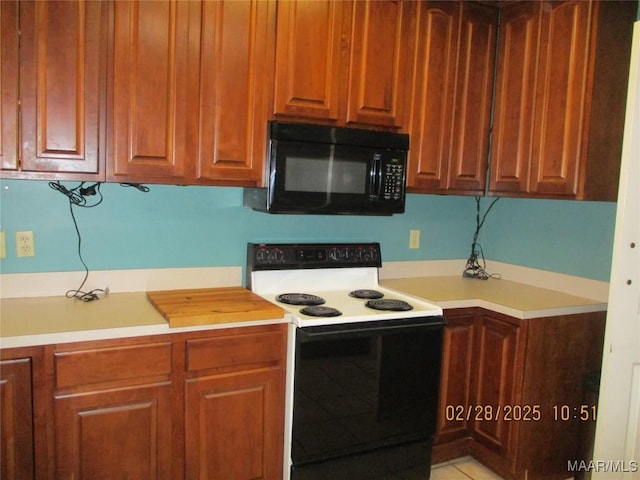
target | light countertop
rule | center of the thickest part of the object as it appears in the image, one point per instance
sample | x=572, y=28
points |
x=48, y=320
x=503, y=296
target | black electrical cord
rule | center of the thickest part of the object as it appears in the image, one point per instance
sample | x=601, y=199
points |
x=83, y=196
x=142, y=188
x=473, y=268
x=78, y=197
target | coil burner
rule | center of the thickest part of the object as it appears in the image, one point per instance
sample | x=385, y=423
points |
x=389, y=305
x=320, y=311
x=300, y=299
x=368, y=294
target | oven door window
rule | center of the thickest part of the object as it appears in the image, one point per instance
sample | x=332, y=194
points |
x=358, y=392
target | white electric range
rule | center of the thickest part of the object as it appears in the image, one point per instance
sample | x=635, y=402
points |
x=363, y=374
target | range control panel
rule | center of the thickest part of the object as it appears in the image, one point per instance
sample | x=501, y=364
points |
x=287, y=256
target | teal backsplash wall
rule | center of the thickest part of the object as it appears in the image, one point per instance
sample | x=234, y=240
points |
x=174, y=226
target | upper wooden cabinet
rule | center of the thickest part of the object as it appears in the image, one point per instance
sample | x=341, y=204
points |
x=190, y=91
x=451, y=92
x=53, y=54
x=560, y=98
x=180, y=92
x=150, y=84
x=9, y=85
x=342, y=62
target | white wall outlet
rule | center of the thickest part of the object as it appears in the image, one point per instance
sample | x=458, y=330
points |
x=24, y=244
x=414, y=239
x=3, y=245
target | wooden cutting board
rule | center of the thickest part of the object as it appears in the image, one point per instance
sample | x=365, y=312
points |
x=204, y=306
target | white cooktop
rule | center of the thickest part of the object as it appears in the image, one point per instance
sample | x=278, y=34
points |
x=334, y=285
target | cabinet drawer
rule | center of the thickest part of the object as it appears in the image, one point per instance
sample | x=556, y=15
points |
x=112, y=364
x=235, y=351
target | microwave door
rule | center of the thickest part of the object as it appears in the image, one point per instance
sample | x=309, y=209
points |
x=327, y=179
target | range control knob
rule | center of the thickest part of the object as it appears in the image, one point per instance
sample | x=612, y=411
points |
x=338, y=254
x=269, y=256
x=370, y=254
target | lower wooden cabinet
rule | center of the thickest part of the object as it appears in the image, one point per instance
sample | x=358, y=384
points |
x=232, y=424
x=115, y=433
x=455, y=378
x=493, y=381
x=112, y=410
x=202, y=405
x=504, y=382
x=234, y=405
x=17, y=460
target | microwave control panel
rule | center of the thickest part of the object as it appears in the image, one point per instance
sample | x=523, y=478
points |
x=393, y=181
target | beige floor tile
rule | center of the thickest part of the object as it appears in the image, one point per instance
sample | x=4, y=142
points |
x=475, y=470
x=447, y=472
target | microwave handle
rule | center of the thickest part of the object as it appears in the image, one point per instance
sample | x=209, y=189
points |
x=374, y=177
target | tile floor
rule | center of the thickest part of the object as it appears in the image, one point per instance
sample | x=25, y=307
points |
x=465, y=468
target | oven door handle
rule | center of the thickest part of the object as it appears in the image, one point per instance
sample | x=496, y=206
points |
x=368, y=328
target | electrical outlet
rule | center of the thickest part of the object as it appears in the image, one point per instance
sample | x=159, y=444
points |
x=414, y=239
x=3, y=245
x=24, y=244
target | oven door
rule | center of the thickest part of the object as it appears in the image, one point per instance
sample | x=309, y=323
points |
x=363, y=386
x=324, y=178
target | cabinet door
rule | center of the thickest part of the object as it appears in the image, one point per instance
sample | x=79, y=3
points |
x=561, y=96
x=16, y=420
x=431, y=105
x=233, y=425
x=451, y=97
x=495, y=382
x=311, y=45
x=151, y=81
x=455, y=379
x=61, y=95
x=473, y=98
x=9, y=85
x=235, y=58
x=377, y=71
x=120, y=433
x=113, y=411
x=511, y=153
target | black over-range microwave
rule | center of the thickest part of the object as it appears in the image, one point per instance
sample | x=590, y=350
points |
x=332, y=170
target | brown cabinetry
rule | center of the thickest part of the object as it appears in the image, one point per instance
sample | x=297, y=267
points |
x=498, y=356
x=17, y=461
x=190, y=91
x=342, y=62
x=112, y=410
x=451, y=93
x=502, y=378
x=560, y=98
x=206, y=404
x=234, y=413
x=52, y=77
x=482, y=351
x=458, y=367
